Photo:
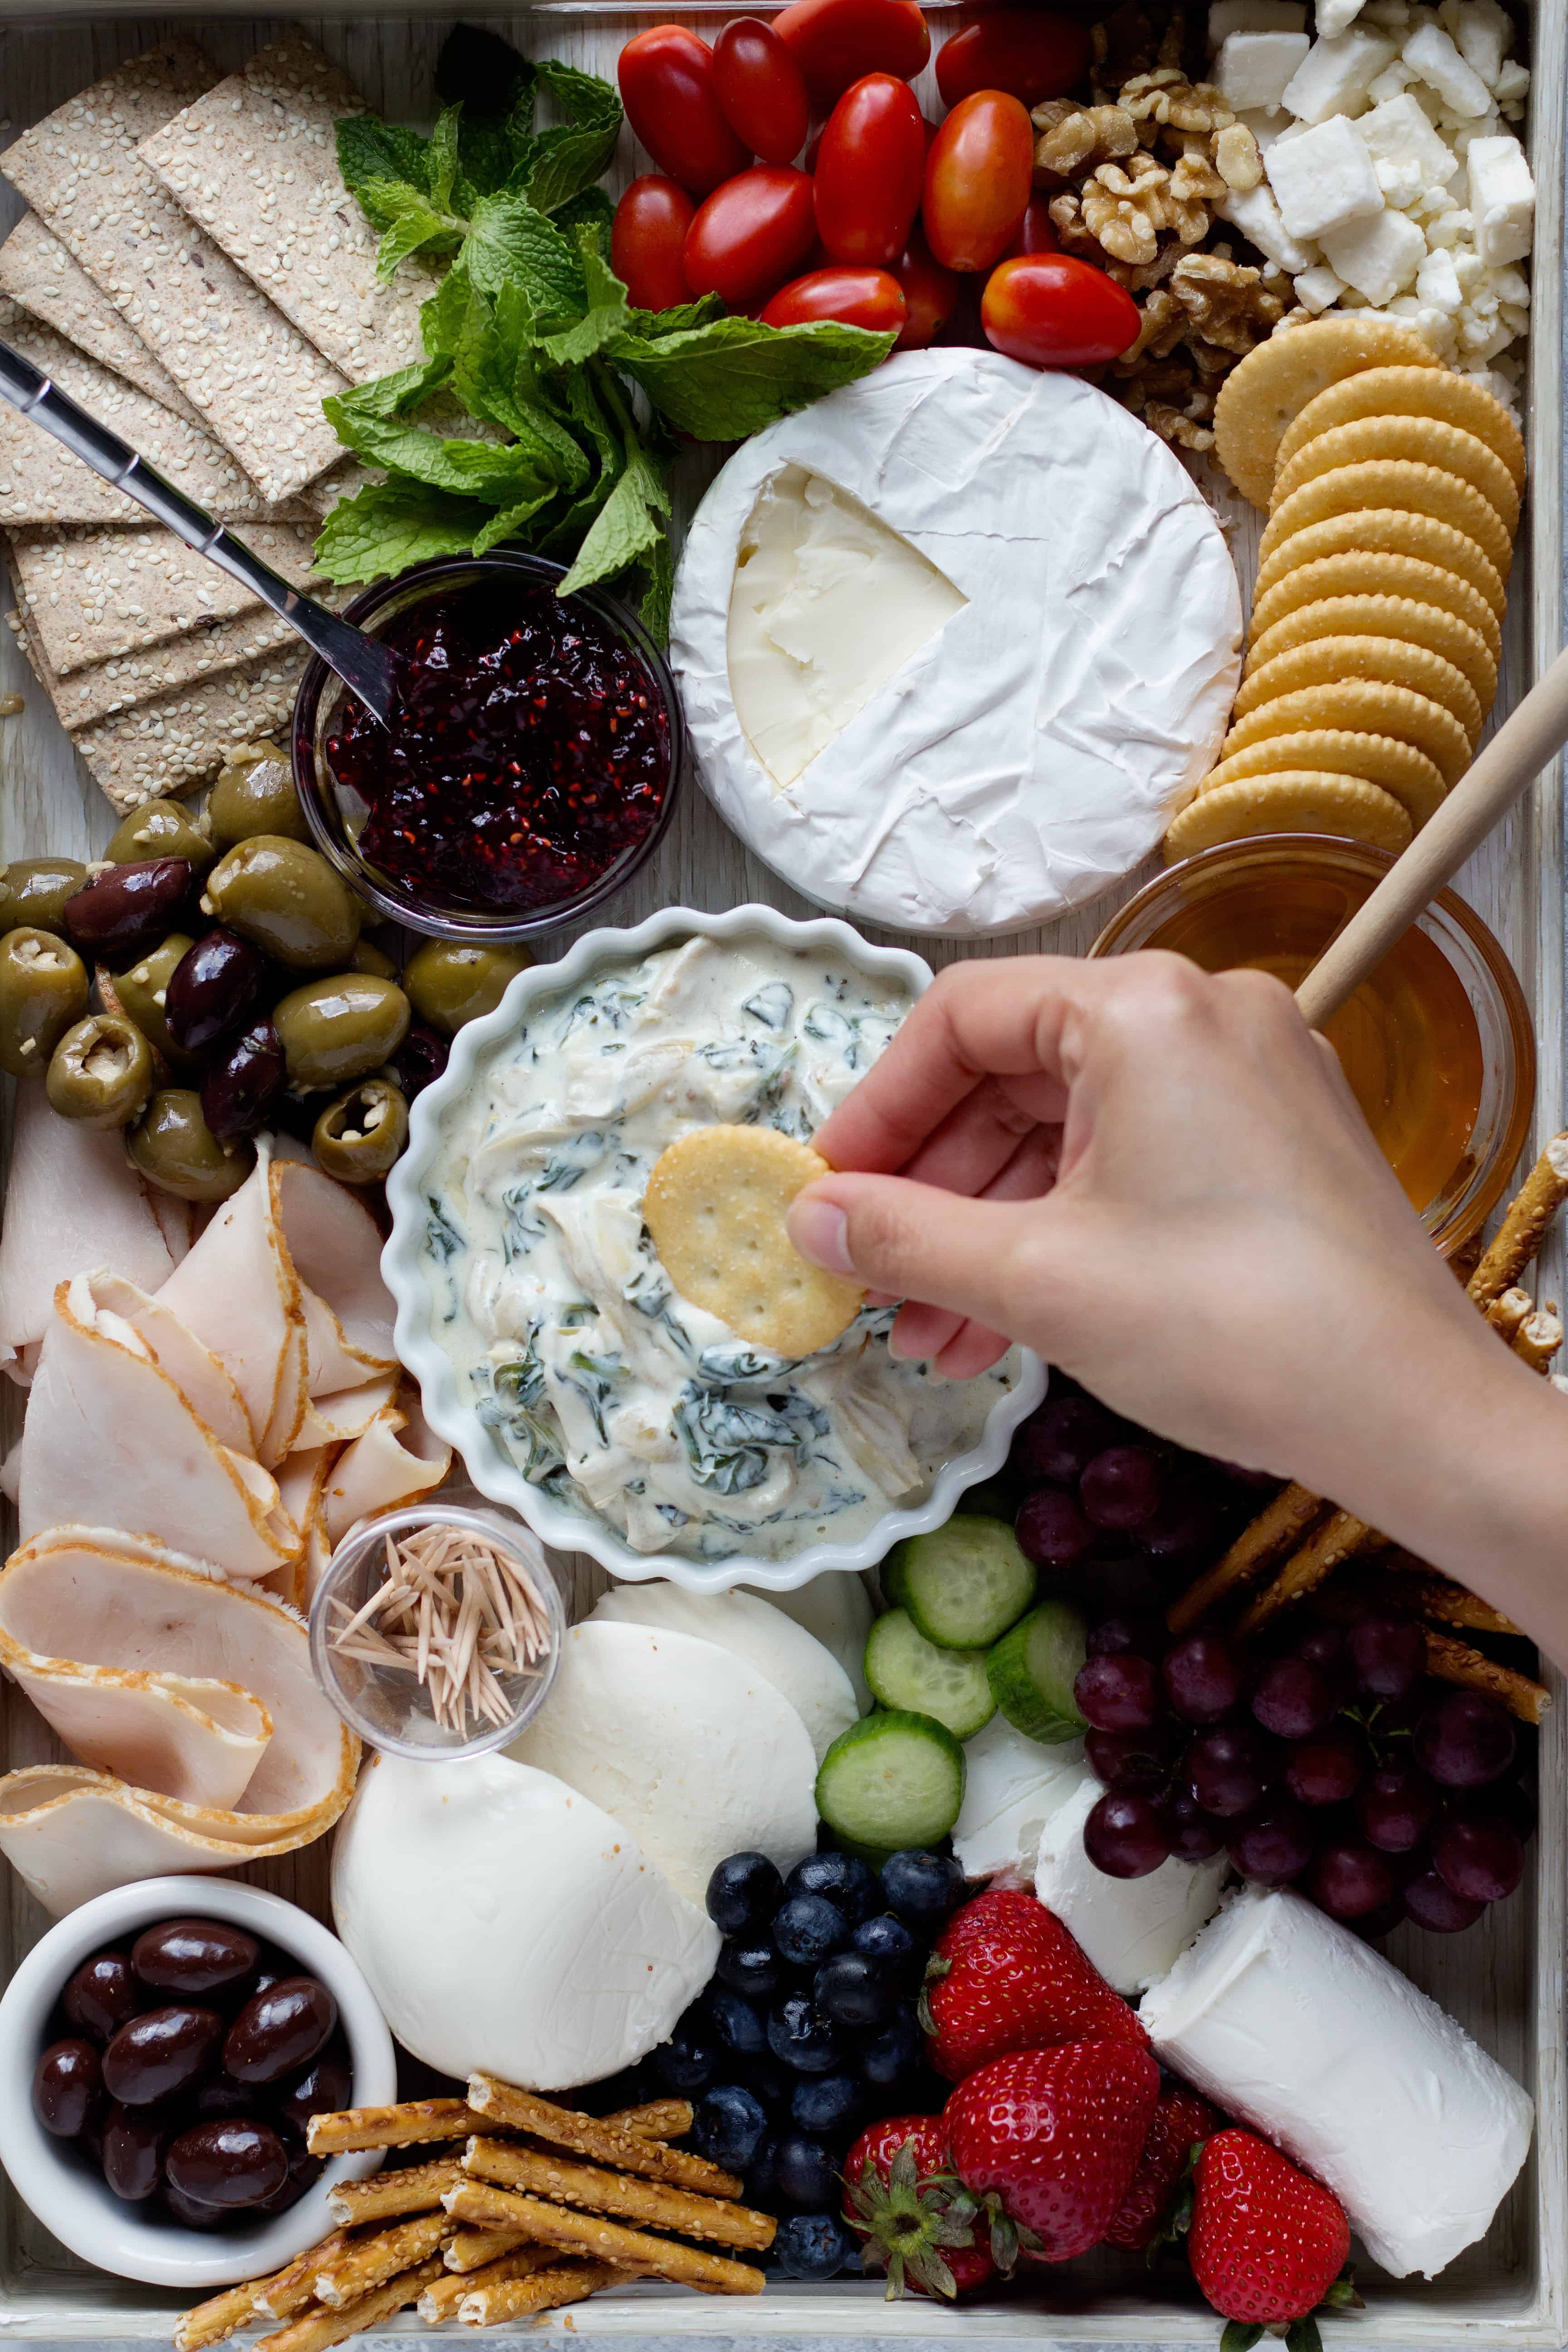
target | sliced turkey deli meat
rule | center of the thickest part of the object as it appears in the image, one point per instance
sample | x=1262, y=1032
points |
x=398, y=1459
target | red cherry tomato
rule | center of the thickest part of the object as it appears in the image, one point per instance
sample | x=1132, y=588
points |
x=870, y=169
x=752, y=235
x=1035, y=232
x=835, y=42
x=1024, y=51
x=1051, y=310
x=932, y=294
x=650, y=229
x=761, y=89
x=859, y=297
x=668, y=89
x=979, y=176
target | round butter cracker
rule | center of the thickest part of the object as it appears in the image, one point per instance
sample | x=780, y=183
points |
x=1261, y=398
x=1385, y=530
x=1383, y=616
x=1411, y=392
x=1356, y=572
x=1400, y=482
x=1426, y=439
x=1293, y=801
x=1328, y=661
x=715, y=1207
x=1414, y=780
x=1362, y=708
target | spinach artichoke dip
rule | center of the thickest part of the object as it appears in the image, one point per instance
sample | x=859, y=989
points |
x=592, y=1374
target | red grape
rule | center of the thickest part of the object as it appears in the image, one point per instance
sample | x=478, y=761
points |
x=1351, y=1880
x=1397, y=1806
x=1465, y=1740
x=1480, y=1858
x=1184, y=1522
x=1275, y=1843
x=1119, y=1693
x=1201, y=1677
x=1136, y=1761
x=1125, y=1837
x=1431, y=1903
x=1320, y=1644
x=1388, y=1650
x=1374, y=1925
x=1052, y=1528
x=1195, y=1836
x=1228, y=1769
x=1293, y=1698
x=1326, y=1769
x=1062, y=1436
x=1121, y=1487
x=1111, y=1635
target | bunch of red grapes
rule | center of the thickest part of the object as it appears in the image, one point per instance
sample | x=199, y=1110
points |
x=1321, y=1755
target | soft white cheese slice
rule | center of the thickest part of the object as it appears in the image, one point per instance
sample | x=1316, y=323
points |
x=1013, y=1788
x=1025, y=755
x=695, y=1753
x=1131, y=1928
x=504, y=1922
x=813, y=1681
x=1296, y=2027
x=835, y=1607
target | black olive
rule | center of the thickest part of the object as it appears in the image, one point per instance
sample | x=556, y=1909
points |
x=212, y=989
x=128, y=909
x=134, y=2145
x=67, y=2082
x=102, y=1996
x=193, y=1956
x=161, y=2051
x=423, y=1055
x=227, y=2164
x=278, y=2032
x=239, y=1091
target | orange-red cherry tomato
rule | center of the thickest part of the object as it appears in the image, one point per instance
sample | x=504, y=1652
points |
x=761, y=89
x=751, y=236
x=668, y=89
x=857, y=298
x=932, y=294
x=870, y=170
x=1026, y=51
x=835, y=42
x=1035, y=232
x=1051, y=310
x=645, y=239
x=979, y=177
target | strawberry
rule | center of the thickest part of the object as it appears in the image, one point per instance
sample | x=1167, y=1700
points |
x=1268, y=2244
x=1181, y=2118
x=1055, y=2135
x=1006, y=1975
x=903, y=2198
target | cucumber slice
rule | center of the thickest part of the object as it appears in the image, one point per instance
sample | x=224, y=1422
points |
x=905, y=1670
x=892, y=1574
x=893, y=1780
x=964, y=1585
x=1032, y=1671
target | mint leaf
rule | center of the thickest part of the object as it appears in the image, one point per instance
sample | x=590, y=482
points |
x=409, y=220
x=512, y=523
x=568, y=158
x=396, y=394
x=606, y=317
x=389, y=525
x=583, y=408
x=493, y=376
x=733, y=376
x=443, y=318
x=592, y=209
x=509, y=239
x=626, y=527
x=369, y=149
x=441, y=163
x=675, y=322
x=502, y=474
x=654, y=583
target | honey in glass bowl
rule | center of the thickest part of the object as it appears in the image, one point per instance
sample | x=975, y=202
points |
x=1436, y=1045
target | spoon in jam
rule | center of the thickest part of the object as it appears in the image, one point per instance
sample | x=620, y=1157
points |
x=367, y=669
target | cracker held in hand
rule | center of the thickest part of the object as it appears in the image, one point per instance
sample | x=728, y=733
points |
x=715, y=1206
x=1265, y=394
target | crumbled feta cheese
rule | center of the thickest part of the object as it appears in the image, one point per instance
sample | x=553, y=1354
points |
x=1333, y=76
x=1512, y=83
x=1318, y=289
x=1464, y=135
x=1253, y=69
x=1438, y=283
x=1266, y=128
x=1379, y=257
x=1228, y=16
x=1450, y=229
x=1432, y=53
x=1400, y=183
x=1390, y=82
x=1397, y=131
x=1325, y=180
x=1393, y=13
x=1256, y=214
x=1502, y=199
x=1470, y=269
x=1336, y=15
x=1483, y=34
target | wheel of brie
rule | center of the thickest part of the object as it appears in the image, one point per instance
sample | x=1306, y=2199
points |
x=954, y=643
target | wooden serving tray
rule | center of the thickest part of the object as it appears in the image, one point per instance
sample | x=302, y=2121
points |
x=1504, y=1979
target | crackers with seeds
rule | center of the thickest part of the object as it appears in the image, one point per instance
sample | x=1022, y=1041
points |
x=715, y=1207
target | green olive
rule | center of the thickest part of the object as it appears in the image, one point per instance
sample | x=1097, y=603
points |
x=101, y=1072
x=285, y=900
x=34, y=889
x=450, y=984
x=42, y=989
x=175, y=1149
x=358, y=1136
x=368, y=957
x=139, y=993
x=333, y=1031
x=255, y=793
x=161, y=829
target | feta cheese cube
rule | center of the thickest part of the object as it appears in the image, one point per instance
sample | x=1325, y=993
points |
x=1400, y=183
x=1337, y=15
x=1482, y=33
x=1332, y=77
x=1432, y=53
x=1398, y=132
x=1450, y=229
x=1395, y=13
x=1379, y=257
x=1438, y=283
x=1257, y=216
x=1502, y=199
x=1318, y=289
x=1510, y=285
x=1228, y=16
x=1390, y=82
x=1512, y=82
x=1325, y=180
x=1253, y=69
x=1465, y=134
x=1266, y=128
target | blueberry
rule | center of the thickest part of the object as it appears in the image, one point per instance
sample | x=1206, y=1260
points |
x=762, y=2178
x=800, y=2037
x=845, y=1882
x=749, y=1965
x=853, y=1989
x=812, y=2246
x=688, y=2060
x=921, y=1887
x=729, y=2126
x=744, y=1893
x=893, y=2052
x=883, y=1938
x=827, y=2104
x=773, y=2083
x=804, y=2172
x=737, y=2026
x=807, y=1928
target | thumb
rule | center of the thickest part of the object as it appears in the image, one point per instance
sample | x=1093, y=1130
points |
x=915, y=1241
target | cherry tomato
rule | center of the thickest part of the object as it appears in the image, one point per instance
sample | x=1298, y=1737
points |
x=870, y=170
x=1035, y=232
x=814, y=149
x=668, y=89
x=761, y=89
x=859, y=297
x=650, y=229
x=932, y=294
x=750, y=234
x=834, y=42
x=979, y=177
x=1051, y=310
x=1026, y=51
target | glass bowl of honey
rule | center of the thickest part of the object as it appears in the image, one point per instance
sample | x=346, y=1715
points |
x=1436, y=1045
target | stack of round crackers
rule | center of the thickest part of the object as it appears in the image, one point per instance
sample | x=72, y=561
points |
x=1393, y=491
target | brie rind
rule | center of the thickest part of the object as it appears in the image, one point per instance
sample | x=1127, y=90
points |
x=1030, y=750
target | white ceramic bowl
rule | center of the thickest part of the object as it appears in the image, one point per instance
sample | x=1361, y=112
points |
x=451, y=1413
x=80, y=2209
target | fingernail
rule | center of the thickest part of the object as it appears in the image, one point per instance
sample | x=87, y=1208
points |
x=820, y=1231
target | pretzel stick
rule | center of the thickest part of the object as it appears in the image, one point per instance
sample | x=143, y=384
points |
x=210, y=2322
x=288, y=2291
x=353, y=2128
x=415, y=2189
x=1538, y=1338
x=569, y=2283
x=1456, y=1662
x=1412, y=1584
x=440, y=2300
x=1266, y=1539
x=1340, y=1539
x=659, y=2119
x=587, y=2185
x=1524, y=1224
x=586, y=2135
x=585, y=2233
x=369, y=2263
x=319, y=2330
x=1508, y=1312
x=471, y=2249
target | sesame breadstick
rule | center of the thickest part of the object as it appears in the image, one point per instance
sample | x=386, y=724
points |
x=441, y=2298
x=354, y=2128
x=654, y=2202
x=546, y=2291
x=1524, y=1224
x=585, y=2234
x=659, y=2119
x=471, y=2249
x=586, y=2135
x=1340, y=1537
x=210, y=2322
x=415, y=2189
x=1508, y=1311
x=1538, y=1338
x=368, y=2263
x=319, y=2330
x=1269, y=1537
x=288, y=2291
x=1456, y=1662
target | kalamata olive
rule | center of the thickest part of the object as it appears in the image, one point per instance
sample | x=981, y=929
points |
x=134, y=2145
x=240, y=1089
x=227, y=2164
x=34, y=890
x=222, y=2098
x=193, y=1956
x=214, y=988
x=278, y=2032
x=126, y=910
x=422, y=1057
x=191, y=2215
x=160, y=2052
x=67, y=2080
x=324, y=2089
x=304, y=2171
x=102, y=1996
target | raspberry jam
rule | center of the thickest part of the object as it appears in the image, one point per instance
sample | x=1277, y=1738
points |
x=530, y=752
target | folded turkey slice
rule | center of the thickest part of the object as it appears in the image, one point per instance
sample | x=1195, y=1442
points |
x=301, y=1481
x=398, y=1459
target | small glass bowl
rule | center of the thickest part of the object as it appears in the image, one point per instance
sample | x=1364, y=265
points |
x=336, y=815
x=392, y=1711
